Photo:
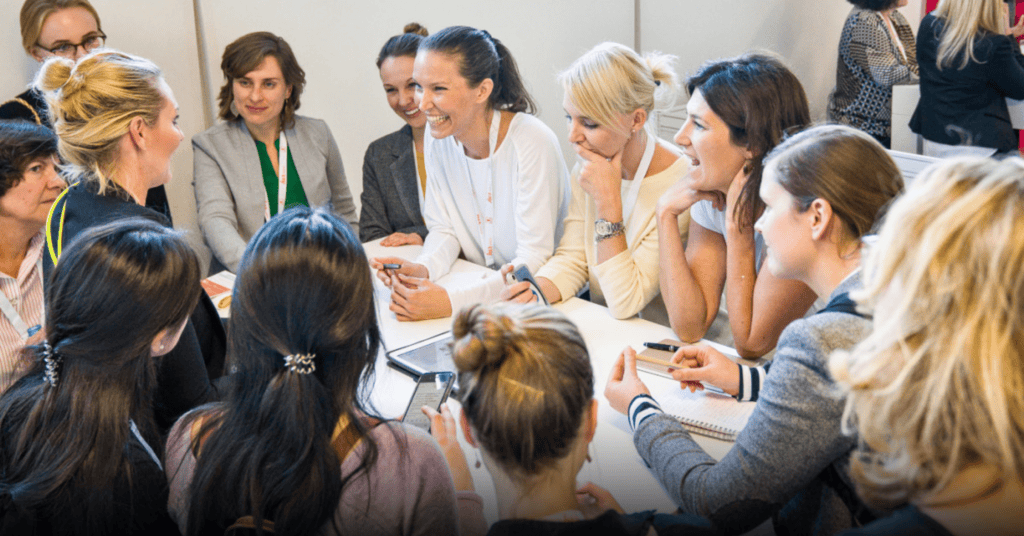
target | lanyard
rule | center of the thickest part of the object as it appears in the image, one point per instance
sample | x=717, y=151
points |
x=145, y=444
x=282, y=177
x=12, y=314
x=485, y=215
x=641, y=171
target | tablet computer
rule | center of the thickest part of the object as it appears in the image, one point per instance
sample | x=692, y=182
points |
x=433, y=354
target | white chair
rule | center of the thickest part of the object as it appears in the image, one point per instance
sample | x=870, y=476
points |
x=910, y=164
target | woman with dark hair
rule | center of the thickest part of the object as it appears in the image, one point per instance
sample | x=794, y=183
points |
x=739, y=109
x=28, y=185
x=876, y=52
x=295, y=157
x=498, y=189
x=394, y=168
x=293, y=445
x=79, y=451
x=823, y=190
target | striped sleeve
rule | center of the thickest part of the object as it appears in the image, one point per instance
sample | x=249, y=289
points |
x=751, y=380
x=641, y=408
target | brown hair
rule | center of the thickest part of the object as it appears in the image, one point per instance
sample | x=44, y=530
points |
x=403, y=45
x=760, y=100
x=525, y=380
x=843, y=166
x=245, y=54
x=34, y=13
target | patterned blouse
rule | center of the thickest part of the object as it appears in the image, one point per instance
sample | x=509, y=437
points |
x=870, y=63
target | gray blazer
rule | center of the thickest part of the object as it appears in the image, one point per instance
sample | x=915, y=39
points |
x=793, y=436
x=228, y=181
x=390, y=199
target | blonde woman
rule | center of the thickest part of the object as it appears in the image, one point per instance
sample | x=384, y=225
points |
x=934, y=391
x=970, y=63
x=611, y=234
x=116, y=120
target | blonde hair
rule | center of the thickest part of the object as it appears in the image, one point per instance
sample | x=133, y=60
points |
x=35, y=12
x=612, y=79
x=525, y=382
x=937, y=385
x=91, y=104
x=964, y=20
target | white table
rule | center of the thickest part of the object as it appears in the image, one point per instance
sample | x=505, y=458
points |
x=616, y=464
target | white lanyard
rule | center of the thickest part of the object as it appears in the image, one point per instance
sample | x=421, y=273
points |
x=282, y=178
x=12, y=314
x=641, y=171
x=145, y=445
x=485, y=215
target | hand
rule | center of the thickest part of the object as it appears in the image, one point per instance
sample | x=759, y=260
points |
x=623, y=384
x=386, y=275
x=402, y=239
x=515, y=291
x=681, y=196
x=593, y=494
x=414, y=298
x=445, y=432
x=705, y=364
x=602, y=178
x=1017, y=30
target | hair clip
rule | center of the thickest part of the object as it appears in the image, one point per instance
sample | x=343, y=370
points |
x=300, y=363
x=51, y=359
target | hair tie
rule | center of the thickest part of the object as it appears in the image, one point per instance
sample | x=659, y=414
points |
x=52, y=360
x=657, y=82
x=300, y=363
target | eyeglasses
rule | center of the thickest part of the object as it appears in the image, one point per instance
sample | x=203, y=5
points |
x=67, y=50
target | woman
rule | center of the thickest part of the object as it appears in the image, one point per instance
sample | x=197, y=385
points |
x=394, y=168
x=934, y=391
x=970, y=64
x=79, y=452
x=738, y=110
x=28, y=185
x=823, y=191
x=116, y=118
x=501, y=187
x=262, y=137
x=293, y=444
x=67, y=29
x=527, y=393
x=611, y=234
x=876, y=52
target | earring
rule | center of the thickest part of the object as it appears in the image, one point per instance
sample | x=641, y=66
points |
x=233, y=108
x=477, y=464
x=589, y=458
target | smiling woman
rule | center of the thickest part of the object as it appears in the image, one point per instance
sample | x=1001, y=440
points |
x=261, y=136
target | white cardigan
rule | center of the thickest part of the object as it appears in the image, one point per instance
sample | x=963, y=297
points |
x=531, y=195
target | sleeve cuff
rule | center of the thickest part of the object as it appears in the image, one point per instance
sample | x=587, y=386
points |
x=751, y=380
x=641, y=408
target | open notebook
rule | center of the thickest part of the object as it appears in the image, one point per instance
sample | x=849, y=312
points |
x=706, y=413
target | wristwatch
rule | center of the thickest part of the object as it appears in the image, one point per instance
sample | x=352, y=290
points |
x=606, y=229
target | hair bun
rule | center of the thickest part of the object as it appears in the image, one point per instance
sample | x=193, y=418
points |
x=481, y=337
x=415, y=28
x=55, y=74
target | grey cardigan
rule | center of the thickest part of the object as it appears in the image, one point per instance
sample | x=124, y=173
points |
x=792, y=437
x=229, y=189
x=390, y=200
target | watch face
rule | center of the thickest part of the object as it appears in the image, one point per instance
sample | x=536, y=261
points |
x=603, y=227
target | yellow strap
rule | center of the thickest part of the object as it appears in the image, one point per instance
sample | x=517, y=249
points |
x=55, y=254
x=25, y=103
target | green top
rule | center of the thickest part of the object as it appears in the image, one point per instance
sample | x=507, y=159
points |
x=296, y=195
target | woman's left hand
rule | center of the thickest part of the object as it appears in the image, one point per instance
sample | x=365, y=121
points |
x=402, y=239
x=1017, y=30
x=413, y=298
x=602, y=178
x=445, y=432
x=624, y=384
x=591, y=493
x=733, y=196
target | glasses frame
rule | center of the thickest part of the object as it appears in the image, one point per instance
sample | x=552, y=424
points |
x=74, y=46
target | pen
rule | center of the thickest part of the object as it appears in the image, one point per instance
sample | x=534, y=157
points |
x=667, y=364
x=388, y=266
x=659, y=346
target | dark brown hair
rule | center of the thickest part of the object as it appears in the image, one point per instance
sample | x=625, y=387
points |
x=525, y=380
x=875, y=5
x=482, y=56
x=21, y=142
x=245, y=54
x=403, y=45
x=760, y=100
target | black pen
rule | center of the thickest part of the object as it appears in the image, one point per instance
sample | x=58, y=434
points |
x=662, y=347
x=388, y=266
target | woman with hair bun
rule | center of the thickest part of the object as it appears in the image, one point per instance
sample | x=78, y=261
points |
x=823, y=190
x=294, y=447
x=79, y=450
x=394, y=168
x=934, y=392
x=116, y=120
x=611, y=234
x=498, y=187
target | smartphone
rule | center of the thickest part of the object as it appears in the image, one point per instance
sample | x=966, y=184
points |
x=432, y=390
x=522, y=273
